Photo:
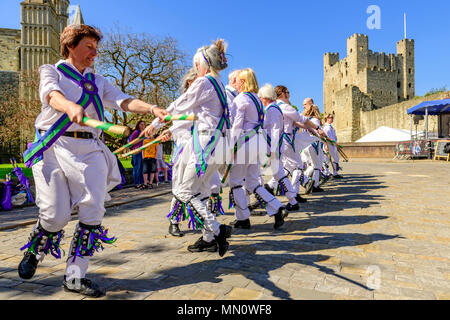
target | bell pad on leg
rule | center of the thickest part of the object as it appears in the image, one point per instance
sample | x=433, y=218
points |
x=42, y=241
x=88, y=239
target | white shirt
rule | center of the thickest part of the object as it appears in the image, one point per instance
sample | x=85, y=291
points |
x=201, y=99
x=244, y=114
x=291, y=116
x=330, y=132
x=273, y=123
x=51, y=79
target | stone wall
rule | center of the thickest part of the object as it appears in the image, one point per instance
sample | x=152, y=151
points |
x=395, y=116
x=9, y=49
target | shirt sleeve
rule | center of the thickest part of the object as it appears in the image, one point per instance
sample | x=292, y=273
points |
x=112, y=96
x=292, y=114
x=199, y=92
x=49, y=82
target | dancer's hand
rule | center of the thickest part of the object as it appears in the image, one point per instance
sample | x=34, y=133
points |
x=160, y=113
x=165, y=136
x=76, y=114
x=148, y=132
x=321, y=132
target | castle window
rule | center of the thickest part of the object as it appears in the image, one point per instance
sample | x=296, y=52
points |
x=361, y=48
x=409, y=85
x=407, y=97
x=399, y=84
x=399, y=98
x=351, y=50
x=410, y=70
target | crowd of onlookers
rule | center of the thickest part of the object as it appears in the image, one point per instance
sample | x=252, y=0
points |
x=148, y=164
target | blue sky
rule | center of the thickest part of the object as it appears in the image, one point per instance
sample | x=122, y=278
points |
x=283, y=41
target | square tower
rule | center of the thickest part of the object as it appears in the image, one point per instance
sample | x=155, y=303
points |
x=406, y=69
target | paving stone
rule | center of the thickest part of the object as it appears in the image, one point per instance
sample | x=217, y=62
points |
x=243, y=294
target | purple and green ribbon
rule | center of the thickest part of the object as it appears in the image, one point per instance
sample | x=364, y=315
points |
x=35, y=152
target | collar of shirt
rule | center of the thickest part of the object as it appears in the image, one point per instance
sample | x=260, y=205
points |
x=86, y=71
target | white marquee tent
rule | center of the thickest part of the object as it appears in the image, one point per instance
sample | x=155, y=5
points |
x=386, y=134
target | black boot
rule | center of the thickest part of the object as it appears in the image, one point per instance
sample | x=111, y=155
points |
x=201, y=245
x=222, y=239
x=279, y=218
x=84, y=286
x=317, y=190
x=292, y=207
x=174, y=230
x=300, y=199
x=28, y=265
x=269, y=189
x=241, y=224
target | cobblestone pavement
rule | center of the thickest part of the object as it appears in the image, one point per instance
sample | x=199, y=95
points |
x=381, y=233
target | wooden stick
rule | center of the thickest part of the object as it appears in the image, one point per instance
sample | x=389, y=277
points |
x=132, y=143
x=136, y=151
x=190, y=117
x=107, y=127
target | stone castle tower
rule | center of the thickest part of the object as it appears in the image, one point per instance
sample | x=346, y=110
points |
x=42, y=22
x=365, y=81
x=36, y=43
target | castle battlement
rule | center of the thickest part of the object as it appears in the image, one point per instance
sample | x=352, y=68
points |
x=382, y=79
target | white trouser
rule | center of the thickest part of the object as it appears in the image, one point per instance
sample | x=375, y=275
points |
x=75, y=173
x=248, y=175
x=335, y=157
x=314, y=163
x=196, y=190
x=179, y=167
x=216, y=182
x=280, y=177
x=292, y=163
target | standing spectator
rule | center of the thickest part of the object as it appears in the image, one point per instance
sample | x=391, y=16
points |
x=136, y=160
x=160, y=164
x=149, y=164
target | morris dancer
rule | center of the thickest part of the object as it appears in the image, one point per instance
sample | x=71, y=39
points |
x=71, y=166
x=290, y=157
x=274, y=128
x=332, y=149
x=207, y=99
x=248, y=123
x=313, y=154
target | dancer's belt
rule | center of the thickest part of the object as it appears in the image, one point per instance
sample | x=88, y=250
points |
x=74, y=134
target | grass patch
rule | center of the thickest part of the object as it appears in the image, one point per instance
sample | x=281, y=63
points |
x=7, y=168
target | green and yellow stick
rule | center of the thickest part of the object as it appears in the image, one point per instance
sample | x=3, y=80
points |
x=132, y=143
x=107, y=127
x=191, y=117
x=136, y=151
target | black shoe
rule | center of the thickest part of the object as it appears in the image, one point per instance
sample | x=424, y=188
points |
x=28, y=265
x=309, y=187
x=338, y=177
x=222, y=240
x=174, y=230
x=279, y=218
x=269, y=189
x=84, y=286
x=241, y=224
x=300, y=199
x=228, y=232
x=317, y=190
x=201, y=245
x=292, y=207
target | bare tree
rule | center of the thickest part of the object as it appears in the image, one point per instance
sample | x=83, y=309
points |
x=143, y=66
x=18, y=113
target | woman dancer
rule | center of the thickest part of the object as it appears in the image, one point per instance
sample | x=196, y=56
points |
x=246, y=132
x=71, y=166
x=207, y=99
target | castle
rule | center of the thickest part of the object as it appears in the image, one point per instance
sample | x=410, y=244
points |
x=366, y=81
x=37, y=42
